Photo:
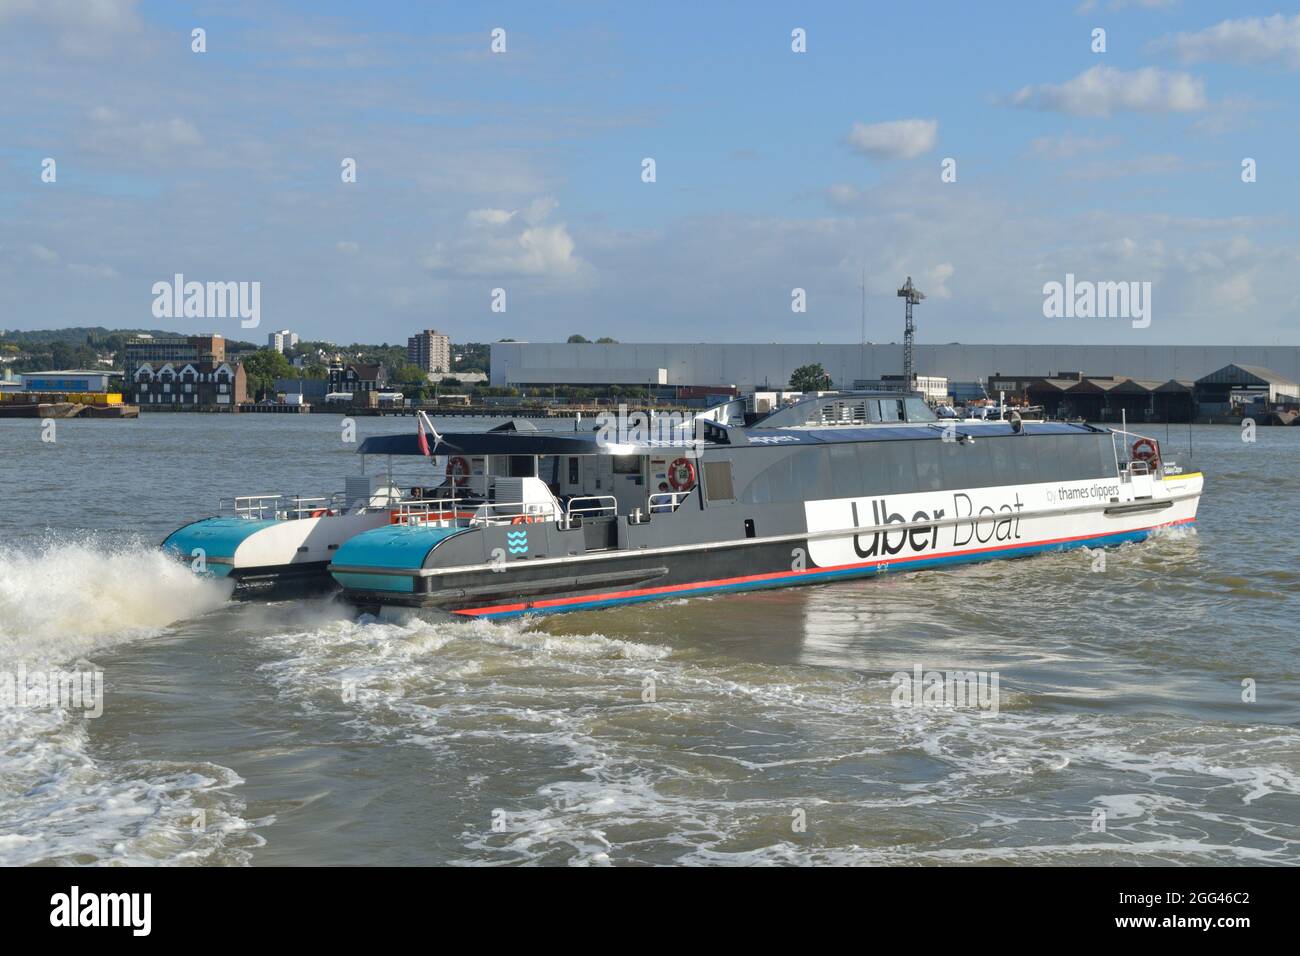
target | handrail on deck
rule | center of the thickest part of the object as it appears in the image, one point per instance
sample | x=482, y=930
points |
x=665, y=502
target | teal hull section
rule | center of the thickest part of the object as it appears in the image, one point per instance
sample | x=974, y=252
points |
x=216, y=537
x=397, y=547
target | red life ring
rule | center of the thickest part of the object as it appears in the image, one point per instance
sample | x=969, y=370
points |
x=1144, y=449
x=681, y=474
x=322, y=513
x=522, y=519
x=458, y=471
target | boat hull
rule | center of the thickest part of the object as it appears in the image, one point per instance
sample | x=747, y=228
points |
x=820, y=555
x=269, y=559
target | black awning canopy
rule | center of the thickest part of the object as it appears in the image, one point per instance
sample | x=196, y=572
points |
x=509, y=443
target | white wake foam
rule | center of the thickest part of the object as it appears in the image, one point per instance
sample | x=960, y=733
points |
x=59, y=801
x=61, y=600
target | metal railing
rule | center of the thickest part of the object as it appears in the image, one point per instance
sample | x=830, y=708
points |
x=595, y=510
x=666, y=502
x=284, y=507
x=254, y=507
x=449, y=512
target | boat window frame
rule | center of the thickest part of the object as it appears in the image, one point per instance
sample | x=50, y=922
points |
x=707, y=479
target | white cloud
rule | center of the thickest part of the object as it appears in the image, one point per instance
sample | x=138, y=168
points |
x=507, y=243
x=93, y=272
x=490, y=217
x=1103, y=90
x=43, y=253
x=81, y=27
x=111, y=135
x=842, y=195
x=347, y=247
x=1144, y=4
x=1068, y=145
x=935, y=280
x=1164, y=164
x=1250, y=40
x=896, y=139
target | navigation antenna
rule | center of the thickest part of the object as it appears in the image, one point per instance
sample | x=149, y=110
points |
x=911, y=295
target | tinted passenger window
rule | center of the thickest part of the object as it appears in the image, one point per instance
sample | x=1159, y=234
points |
x=872, y=477
x=899, y=466
x=811, y=474
x=1002, y=465
x=1022, y=454
x=978, y=466
x=774, y=483
x=1047, y=450
x=846, y=481
x=952, y=462
x=928, y=477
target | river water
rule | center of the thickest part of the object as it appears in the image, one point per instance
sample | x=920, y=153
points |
x=296, y=733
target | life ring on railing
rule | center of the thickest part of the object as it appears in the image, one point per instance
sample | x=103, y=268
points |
x=322, y=513
x=1144, y=449
x=458, y=471
x=522, y=519
x=681, y=474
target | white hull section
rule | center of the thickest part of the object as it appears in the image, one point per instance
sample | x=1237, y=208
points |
x=929, y=525
x=303, y=541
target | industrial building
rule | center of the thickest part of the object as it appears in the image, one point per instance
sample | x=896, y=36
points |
x=766, y=367
x=72, y=380
x=1242, y=385
x=1109, y=397
x=178, y=350
x=935, y=388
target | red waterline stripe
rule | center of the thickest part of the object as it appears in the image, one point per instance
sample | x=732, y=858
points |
x=774, y=575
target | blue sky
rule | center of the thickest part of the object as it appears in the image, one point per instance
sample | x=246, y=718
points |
x=775, y=170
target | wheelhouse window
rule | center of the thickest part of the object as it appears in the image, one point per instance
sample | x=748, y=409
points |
x=917, y=410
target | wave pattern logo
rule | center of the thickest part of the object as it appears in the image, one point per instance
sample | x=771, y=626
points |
x=517, y=542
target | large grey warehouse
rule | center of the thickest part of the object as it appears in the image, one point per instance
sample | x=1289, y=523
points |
x=759, y=366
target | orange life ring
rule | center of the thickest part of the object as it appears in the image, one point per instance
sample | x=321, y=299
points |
x=322, y=513
x=458, y=471
x=522, y=519
x=1144, y=449
x=681, y=474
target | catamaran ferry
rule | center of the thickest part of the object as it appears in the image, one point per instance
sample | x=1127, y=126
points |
x=852, y=484
x=836, y=486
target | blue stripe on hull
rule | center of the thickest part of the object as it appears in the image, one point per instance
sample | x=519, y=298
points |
x=817, y=577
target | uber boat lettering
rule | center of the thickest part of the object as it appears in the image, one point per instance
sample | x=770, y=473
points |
x=986, y=522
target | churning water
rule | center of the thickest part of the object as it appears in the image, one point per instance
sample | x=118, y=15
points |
x=297, y=732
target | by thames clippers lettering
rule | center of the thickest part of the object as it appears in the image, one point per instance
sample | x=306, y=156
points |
x=74, y=909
